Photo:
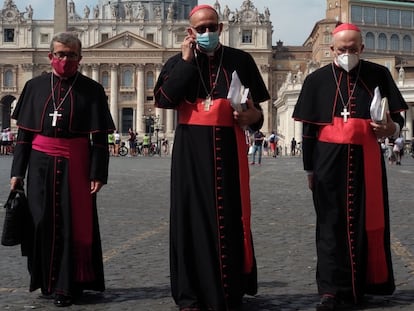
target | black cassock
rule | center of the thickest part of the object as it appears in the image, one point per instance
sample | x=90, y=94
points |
x=350, y=261
x=54, y=198
x=207, y=250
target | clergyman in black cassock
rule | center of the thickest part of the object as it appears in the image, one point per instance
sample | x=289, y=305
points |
x=63, y=123
x=346, y=171
x=211, y=249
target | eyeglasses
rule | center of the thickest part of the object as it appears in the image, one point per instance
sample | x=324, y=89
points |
x=69, y=55
x=203, y=28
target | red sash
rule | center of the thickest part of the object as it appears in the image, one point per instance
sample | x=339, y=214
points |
x=77, y=151
x=220, y=113
x=359, y=132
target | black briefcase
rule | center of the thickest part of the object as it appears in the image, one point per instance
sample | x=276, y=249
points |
x=17, y=211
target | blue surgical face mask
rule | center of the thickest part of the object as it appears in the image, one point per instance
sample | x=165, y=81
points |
x=208, y=41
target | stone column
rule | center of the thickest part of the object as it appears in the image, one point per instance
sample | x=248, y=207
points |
x=60, y=16
x=140, y=98
x=267, y=105
x=409, y=122
x=113, y=102
x=159, y=111
x=85, y=70
x=95, y=72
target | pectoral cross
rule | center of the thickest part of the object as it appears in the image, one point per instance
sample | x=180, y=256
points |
x=54, y=116
x=207, y=103
x=345, y=113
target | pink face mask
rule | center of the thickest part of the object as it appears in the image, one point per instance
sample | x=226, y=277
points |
x=65, y=68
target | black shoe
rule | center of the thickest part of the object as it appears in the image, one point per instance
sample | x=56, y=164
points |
x=45, y=294
x=63, y=301
x=327, y=303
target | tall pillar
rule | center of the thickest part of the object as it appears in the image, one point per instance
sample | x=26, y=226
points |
x=113, y=103
x=85, y=70
x=169, y=123
x=159, y=111
x=140, y=98
x=267, y=105
x=95, y=72
x=60, y=16
x=409, y=116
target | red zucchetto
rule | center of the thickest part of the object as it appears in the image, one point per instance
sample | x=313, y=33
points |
x=199, y=7
x=345, y=26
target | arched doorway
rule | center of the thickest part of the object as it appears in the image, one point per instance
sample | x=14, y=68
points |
x=5, y=110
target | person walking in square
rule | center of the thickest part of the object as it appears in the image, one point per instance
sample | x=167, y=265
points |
x=346, y=171
x=63, y=123
x=258, y=138
x=212, y=259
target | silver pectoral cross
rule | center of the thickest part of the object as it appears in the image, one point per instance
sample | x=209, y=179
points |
x=207, y=103
x=345, y=113
x=54, y=116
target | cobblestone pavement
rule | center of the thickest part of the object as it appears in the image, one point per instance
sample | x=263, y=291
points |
x=134, y=215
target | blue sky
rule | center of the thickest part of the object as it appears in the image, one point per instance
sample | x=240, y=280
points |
x=292, y=20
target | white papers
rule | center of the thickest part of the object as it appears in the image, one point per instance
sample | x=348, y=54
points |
x=238, y=94
x=378, y=107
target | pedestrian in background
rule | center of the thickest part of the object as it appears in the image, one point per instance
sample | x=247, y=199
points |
x=346, y=170
x=293, y=147
x=111, y=144
x=211, y=249
x=63, y=123
x=398, y=149
x=273, y=144
x=258, y=138
x=117, y=138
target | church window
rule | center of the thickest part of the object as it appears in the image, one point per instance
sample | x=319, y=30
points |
x=369, y=15
x=180, y=38
x=150, y=37
x=127, y=78
x=382, y=41
x=356, y=14
x=104, y=37
x=406, y=19
x=395, y=43
x=105, y=79
x=407, y=44
x=9, y=35
x=247, y=36
x=382, y=18
x=370, y=41
x=44, y=38
x=8, y=78
x=394, y=17
x=150, y=80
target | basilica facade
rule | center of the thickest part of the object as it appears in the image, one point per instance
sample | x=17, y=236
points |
x=125, y=44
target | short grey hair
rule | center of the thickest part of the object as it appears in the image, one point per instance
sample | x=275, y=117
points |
x=68, y=39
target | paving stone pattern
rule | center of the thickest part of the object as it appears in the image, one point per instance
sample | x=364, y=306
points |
x=134, y=218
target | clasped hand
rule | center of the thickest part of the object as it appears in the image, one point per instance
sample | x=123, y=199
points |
x=384, y=130
x=249, y=116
